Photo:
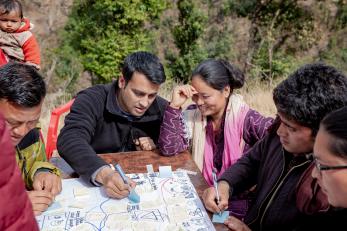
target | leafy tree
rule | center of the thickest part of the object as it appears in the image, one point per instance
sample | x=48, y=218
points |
x=341, y=13
x=103, y=32
x=273, y=23
x=218, y=42
x=186, y=34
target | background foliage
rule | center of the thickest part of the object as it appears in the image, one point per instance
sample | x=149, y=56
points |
x=267, y=39
x=103, y=32
x=186, y=32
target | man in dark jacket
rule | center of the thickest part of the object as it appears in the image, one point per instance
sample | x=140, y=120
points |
x=117, y=117
x=276, y=163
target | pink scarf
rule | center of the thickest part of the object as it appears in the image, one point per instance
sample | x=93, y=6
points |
x=202, y=149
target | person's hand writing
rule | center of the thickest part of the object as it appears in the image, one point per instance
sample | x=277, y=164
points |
x=181, y=94
x=210, y=198
x=47, y=181
x=145, y=144
x=114, y=184
x=235, y=224
x=40, y=200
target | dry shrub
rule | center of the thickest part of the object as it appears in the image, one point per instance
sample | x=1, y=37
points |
x=258, y=95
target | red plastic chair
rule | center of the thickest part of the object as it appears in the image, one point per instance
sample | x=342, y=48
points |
x=52, y=134
x=3, y=59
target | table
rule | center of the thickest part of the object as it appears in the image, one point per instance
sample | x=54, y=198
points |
x=135, y=162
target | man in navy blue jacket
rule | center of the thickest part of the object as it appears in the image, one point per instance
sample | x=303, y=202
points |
x=122, y=116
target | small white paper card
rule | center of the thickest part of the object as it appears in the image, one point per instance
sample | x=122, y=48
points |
x=165, y=172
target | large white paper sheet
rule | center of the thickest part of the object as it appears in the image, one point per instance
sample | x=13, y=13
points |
x=166, y=204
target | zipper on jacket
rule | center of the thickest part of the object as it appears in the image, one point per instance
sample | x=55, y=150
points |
x=261, y=205
x=126, y=138
x=23, y=160
x=275, y=192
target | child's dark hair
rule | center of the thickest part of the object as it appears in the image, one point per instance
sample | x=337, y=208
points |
x=219, y=73
x=6, y=6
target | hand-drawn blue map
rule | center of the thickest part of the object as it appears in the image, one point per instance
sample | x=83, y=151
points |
x=166, y=204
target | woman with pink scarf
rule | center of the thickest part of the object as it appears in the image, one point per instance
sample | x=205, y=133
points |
x=219, y=128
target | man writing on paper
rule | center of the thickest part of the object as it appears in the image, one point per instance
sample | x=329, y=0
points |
x=121, y=116
x=22, y=91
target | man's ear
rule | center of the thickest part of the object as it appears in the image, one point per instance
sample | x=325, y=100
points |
x=121, y=82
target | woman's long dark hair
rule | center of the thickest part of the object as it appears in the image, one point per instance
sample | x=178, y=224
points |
x=219, y=73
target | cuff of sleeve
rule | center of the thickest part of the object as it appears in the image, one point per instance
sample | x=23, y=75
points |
x=43, y=170
x=53, y=171
x=223, y=179
x=93, y=177
x=173, y=110
x=42, y=165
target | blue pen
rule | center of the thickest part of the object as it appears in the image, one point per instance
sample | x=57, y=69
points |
x=132, y=195
x=215, y=184
x=121, y=173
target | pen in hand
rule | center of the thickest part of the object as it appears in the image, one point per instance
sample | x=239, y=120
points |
x=133, y=195
x=121, y=173
x=215, y=184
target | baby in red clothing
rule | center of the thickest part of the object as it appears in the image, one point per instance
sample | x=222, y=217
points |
x=17, y=42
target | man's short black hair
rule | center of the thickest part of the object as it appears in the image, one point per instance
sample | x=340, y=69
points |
x=146, y=64
x=22, y=85
x=6, y=6
x=310, y=93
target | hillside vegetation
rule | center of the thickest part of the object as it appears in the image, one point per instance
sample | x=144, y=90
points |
x=267, y=38
x=84, y=41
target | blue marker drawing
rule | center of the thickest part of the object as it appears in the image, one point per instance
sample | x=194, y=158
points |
x=133, y=196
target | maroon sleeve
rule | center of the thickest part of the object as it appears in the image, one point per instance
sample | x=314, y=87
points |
x=16, y=212
x=172, y=138
x=255, y=128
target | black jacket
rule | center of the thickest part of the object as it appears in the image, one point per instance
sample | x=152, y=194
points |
x=95, y=124
x=335, y=220
x=274, y=206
